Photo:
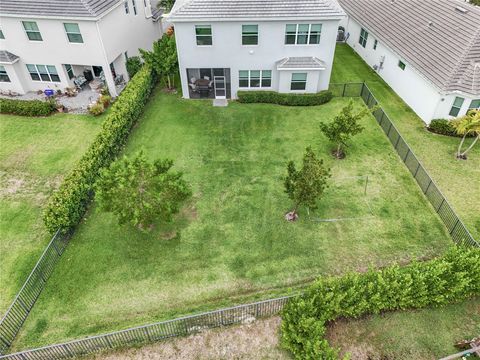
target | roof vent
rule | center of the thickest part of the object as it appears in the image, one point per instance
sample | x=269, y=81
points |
x=461, y=9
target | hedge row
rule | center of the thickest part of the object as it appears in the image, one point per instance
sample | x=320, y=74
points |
x=272, y=97
x=68, y=204
x=444, y=127
x=453, y=277
x=26, y=107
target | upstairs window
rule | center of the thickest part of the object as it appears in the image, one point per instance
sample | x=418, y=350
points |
x=203, y=34
x=249, y=34
x=134, y=5
x=363, y=37
x=375, y=43
x=3, y=74
x=255, y=78
x=299, y=81
x=457, y=105
x=43, y=73
x=127, y=8
x=475, y=104
x=73, y=33
x=401, y=65
x=32, y=31
x=302, y=34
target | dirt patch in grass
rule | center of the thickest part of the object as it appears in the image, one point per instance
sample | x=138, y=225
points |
x=257, y=340
x=16, y=185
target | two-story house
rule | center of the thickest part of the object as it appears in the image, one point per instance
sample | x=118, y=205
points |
x=49, y=44
x=428, y=51
x=229, y=45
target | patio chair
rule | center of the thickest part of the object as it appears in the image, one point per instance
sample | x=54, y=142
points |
x=206, y=77
x=193, y=87
x=210, y=84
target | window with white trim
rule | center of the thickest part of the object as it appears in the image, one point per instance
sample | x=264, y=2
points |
x=299, y=81
x=303, y=34
x=3, y=74
x=475, y=104
x=255, y=78
x=127, y=8
x=457, y=105
x=134, y=5
x=249, y=34
x=32, y=30
x=43, y=73
x=363, y=37
x=401, y=65
x=203, y=34
x=73, y=33
x=69, y=69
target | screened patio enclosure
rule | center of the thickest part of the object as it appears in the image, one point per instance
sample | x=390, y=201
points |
x=205, y=83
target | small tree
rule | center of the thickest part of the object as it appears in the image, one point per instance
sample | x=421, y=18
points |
x=163, y=58
x=467, y=125
x=139, y=192
x=343, y=127
x=307, y=185
x=166, y=4
x=134, y=63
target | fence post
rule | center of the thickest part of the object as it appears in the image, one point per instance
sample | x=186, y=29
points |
x=344, y=86
x=388, y=132
x=441, y=204
x=406, y=156
x=428, y=187
x=416, y=171
x=458, y=220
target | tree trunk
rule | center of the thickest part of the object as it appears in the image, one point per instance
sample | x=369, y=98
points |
x=459, y=150
x=470, y=147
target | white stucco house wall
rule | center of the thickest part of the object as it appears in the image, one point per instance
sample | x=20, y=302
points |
x=428, y=51
x=229, y=45
x=46, y=45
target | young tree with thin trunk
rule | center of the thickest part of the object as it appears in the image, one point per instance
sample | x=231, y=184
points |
x=343, y=127
x=466, y=126
x=307, y=185
x=140, y=192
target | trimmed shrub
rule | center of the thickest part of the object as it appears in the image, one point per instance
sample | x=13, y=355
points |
x=133, y=64
x=27, y=107
x=96, y=109
x=444, y=280
x=443, y=127
x=68, y=204
x=273, y=97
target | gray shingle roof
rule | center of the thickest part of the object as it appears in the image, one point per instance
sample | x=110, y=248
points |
x=303, y=62
x=60, y=8
x=437, y=37
x=254, y=9
x=7, y=57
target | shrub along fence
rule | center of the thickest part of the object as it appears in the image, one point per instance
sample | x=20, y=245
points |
x=154, y=332
x=455, y=226
x=31, y=289
x=27, y=107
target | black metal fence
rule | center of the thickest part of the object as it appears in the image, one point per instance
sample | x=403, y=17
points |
x=455, y=226
x=154, y=332
x=30, y=291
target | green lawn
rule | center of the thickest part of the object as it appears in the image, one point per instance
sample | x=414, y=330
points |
x=230, y=244
x=458, y=180
x=403, y=335
x=34, y=155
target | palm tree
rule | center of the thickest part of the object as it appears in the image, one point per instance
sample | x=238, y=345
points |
x=466, y=126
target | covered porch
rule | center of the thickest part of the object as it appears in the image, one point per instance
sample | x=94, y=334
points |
x=209, y=83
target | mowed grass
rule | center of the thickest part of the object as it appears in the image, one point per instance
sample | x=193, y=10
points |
x=230, y=244
x=403, y=335
x=458, y=180
x=35, y=153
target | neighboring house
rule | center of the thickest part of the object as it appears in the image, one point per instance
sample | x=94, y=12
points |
x=229, y=45
x=428, y=51
x=52, y=43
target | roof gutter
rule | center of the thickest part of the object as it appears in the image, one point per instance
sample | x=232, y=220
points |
x=174, y=19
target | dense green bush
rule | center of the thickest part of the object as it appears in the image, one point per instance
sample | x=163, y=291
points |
x=447, y=279
x=443, y=127
x=273, y=97
x=27, y=107
x=96, y=109
x=133, y=64
x=68, y=204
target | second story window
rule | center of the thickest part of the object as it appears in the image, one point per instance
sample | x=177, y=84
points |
x=302, y=34
x=249, y=34
x=73, y=32
x=32, y=31
x=363, y=37
x=203, y=34
x=127, y=8
x=3, y=74
x=134, y=7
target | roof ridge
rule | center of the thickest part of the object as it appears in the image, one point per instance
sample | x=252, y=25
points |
x=462, y=58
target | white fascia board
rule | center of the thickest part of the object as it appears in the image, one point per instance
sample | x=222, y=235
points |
x=250, y=19
x=302, y=69
x=10, y=62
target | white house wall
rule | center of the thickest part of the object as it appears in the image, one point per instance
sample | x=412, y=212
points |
x=415, y=90
x=227, y=51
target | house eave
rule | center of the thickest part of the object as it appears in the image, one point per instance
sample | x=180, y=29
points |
x=254, y=18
